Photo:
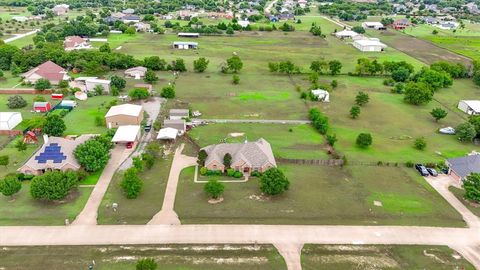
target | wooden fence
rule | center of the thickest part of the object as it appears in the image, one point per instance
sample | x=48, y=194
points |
x=320, y=162
x=24, y=91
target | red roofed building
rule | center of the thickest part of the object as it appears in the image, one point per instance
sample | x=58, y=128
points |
x=48, y=70
x=75, y=43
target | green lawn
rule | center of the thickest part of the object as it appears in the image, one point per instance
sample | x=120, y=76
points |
x=142, y=209
x=460, y=193
x=81, y=120
x=16, y=158
x=168, y=257
x=8, y=81
x=302, y=142
x=322, y=195
x=24, y=210
x=366, y=257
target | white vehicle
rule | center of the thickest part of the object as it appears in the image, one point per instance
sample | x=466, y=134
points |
x=447, y=130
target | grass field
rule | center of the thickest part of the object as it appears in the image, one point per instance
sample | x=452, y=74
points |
x=322, y=195
x=337, y=257
x=168, y=257
x=459, y=193
x=81, y=120
x=24, y=210
x=302, y=142
x=142, y=209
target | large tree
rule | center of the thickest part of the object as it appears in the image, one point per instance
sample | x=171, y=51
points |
x=118, y=82
x=227, y=160
x=417, y=93
x=200, y=65
x=273, y=182
x=214, y=188
x=364, y=140
x=43, y=84
x=54, y=125
x=234, y=64
x=131, y=184
x=362, y=98
x=472, y=187
x=15, y=102
x=335, y=67
x=202, y=156
x=465, y=132
x=53, y=185
x=93, y=154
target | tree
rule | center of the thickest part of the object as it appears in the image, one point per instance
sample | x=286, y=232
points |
x=417, y=93
x=435, y=79
x=131, y=184
x=150, y=76
x=472, y=187
x=137, y=163
x=230, y=31
x=105, y=47
x=139, y=93
x=319, y=121
x=331, y=139
x=4, y=160
x=361, y=98
x=235, y=79
x=202, y=156
x=20, y=145
x=465, y=132
x=154, y=63
x=476, y=78
x=93, y=155
x=420, y=143
x=318, y=66
x=438, y=113
x=53, y=185
x=475, y=121
x=273, y=182
x=54, y=125
x=234, y=64
x=335, y=67
x=10, y=185
x=200, y=65
x=42, y=84
x=364, y=140
x=227, y=160
x=214, y=188
x=358, y=29
x=179, y=65
x=355, y=111
x=146, y=264
x=98, y=89
x=130, y=30
x=168, y=92
x=401, y=74
x=118, y=82
x=15, y=102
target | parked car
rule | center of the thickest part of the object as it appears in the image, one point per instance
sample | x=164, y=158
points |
x=447, y=130
x=148, y=127
x=421, y=169
x=129, y=145
x=432, y=172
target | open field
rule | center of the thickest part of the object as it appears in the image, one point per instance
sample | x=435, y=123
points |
x=313, y=198
x=24, y=210
x=168, y=257
x=336, y=257
x=142, y=209
x=302, y=142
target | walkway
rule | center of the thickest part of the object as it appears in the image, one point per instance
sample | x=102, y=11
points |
x=257, y=121
x=88, y=216
x=19, y=36
x=167, y=215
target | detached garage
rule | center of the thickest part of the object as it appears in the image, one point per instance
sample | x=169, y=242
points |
x=9, y=120
x=127, y=135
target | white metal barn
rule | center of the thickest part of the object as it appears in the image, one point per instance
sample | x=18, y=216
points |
x=9, y=120
x=471, y=107
x=321, y=95
x=369, y=45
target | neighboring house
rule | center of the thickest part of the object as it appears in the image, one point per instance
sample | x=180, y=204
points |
x=369, y=45
x=178, y=124
x=48, y=70
x=76, y=43
x=60, y=9
x=321, y=95
x=136, y=72
x=142, y=27
x=286, y=16
x=471, y=107
x=246, y=157
x=9, y=120
x=448, y=25
x=460, y=168
x=55, y=154
x=88, y=84
x=346, y=34
x=182, y=45
x=430, y=20
x=177, y=114
x=125, y=114
x=401, y=24
x=373, y=25
x=41, y=106
x=127, y=134
x=128, y=11
x=189, y=35
x=130, y=19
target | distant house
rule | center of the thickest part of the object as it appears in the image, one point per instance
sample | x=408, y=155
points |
x=136, y=72
x=189, y=35
x=9, y=120
x=247, y=157
x=369, y=45
x=286, y=16
x=178, y=124
x=142, y=27
x=321, y=95
x=471, y=107
x=55, y=154
x=76, y=43
x=20, y=18
x=177, y=114
x=41, y=107
x=183, y=45
x=430, y=20
x=373, y=25
x=401, y=24
x=48, y=70
x=346, y=34
x=244, y=23
x=125, y=114
x=88, y=84
x=460, y=168
x=61, y=9
x=130, y=19
x=128, y=11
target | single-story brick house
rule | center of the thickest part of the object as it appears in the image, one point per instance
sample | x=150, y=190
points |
x=247, y=157
x=48, y=70
x=461, y=167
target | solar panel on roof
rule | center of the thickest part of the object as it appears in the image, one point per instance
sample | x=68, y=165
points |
x=51, y=152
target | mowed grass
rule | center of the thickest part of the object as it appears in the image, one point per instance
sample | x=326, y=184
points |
x=460, y=194
x=142, y=209
x=302, y=142
x=81, y=120
x=24, y=210
x=168, y=257
x=322, y=195
x=395, y=125
x=17, y=158
x=364, y=257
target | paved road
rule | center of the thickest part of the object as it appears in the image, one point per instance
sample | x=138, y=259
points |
x=19, y=36
x=88, y=216
x=167, y=215
x=258, y=121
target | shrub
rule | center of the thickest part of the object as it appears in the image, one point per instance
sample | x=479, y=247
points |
x=214, y=188
x=409, y=164
x=42, y=84
x=10, y=185
x=230, y=172
x=168, y=92
x=331, y=139
x=4, y=160
x=138, y=93
x=203, y=171
x=15, y=102
x=364, y=140
x=131, y=184
x=274, y=182
x=389, y=82
x=235, y=79
x=238, y=174
x=146, y=264
x=420, y=143
x=53, y=185
x=256, y=174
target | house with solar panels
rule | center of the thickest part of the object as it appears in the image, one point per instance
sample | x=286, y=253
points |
x=55, y=154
